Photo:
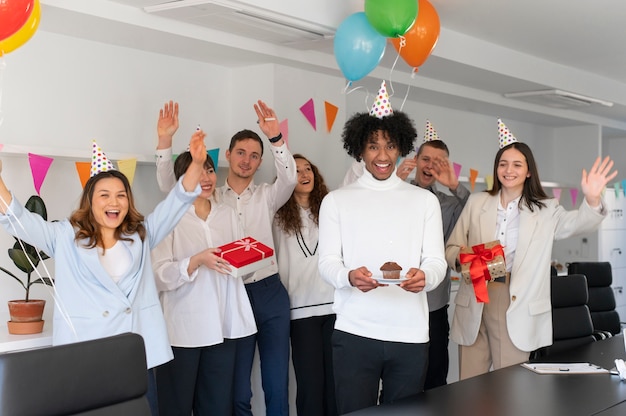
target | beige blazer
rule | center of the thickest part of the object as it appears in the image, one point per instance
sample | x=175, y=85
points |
x=529, y=316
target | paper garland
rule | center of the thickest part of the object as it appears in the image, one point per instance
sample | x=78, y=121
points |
x=331, y=113
x=127, y=167
x=39, y=166
x=308, y=109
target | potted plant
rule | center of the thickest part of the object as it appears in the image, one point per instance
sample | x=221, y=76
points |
x=26, y=314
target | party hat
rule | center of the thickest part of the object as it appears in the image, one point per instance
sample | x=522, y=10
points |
x=99, y=161
x=430, y=133
x=382, y=105
x=506, y=137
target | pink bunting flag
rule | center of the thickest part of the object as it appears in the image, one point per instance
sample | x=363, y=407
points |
x=557, y=193
x=39, y=166
x=1, y=147
x=284, y=129
x=308, y=109
x=573, y=192
x=457, y=169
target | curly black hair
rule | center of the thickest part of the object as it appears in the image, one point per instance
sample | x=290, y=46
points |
x=362, y=126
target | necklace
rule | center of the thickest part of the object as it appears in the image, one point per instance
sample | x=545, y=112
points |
x=303, y=245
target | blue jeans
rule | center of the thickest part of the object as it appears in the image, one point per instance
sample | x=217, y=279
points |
x=270, y=304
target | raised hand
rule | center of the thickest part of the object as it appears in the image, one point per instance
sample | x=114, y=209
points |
x=595, y=181
x=443, y=171
x=167, y=124
x=406, y=167
x=197, y=148
x=267, y=119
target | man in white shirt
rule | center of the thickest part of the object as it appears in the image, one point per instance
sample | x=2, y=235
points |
x=256, y=206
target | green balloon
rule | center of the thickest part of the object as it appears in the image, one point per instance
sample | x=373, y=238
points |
x=391, y=18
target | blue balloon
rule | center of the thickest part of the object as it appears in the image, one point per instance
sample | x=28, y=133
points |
x=358, y=46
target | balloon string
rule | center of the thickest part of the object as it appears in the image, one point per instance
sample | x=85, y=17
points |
x=402, y=44
x=346, y=91
x=57, y=299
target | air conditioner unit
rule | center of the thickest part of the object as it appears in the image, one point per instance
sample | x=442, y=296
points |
x=275, y=21
x=557, y=98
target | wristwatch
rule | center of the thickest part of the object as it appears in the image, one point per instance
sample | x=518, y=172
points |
x=277, y=138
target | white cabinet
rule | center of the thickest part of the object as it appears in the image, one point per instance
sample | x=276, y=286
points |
x=612, y=246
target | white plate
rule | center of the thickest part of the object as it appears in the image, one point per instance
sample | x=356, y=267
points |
x=380, y=279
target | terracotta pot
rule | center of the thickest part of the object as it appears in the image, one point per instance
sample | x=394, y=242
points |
x=22, y=311
x=25, y=328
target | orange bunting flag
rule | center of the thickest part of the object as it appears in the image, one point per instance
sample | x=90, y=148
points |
x=284, y=129
x=127, y=167
x=489, y=182
x=331, y=114
x=84, y=172
x=472, y=178
x=39, y=166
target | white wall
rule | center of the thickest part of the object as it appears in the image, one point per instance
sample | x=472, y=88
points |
x=60, y=92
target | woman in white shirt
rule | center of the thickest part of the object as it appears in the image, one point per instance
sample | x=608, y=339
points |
x=311, y=299
x=518, y=317
x=206, y=310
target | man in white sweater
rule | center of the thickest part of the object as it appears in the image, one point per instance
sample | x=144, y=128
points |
x=381, y=332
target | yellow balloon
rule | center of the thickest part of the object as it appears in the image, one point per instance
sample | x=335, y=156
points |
x=24, y=34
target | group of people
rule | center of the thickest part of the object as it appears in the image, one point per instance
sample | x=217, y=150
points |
x=350, y=332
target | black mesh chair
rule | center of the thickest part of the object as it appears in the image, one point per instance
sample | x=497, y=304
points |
x=606, y=320
x=103, y=377
x=571, y=320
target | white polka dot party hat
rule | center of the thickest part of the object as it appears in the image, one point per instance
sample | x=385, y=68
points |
x=99, y=160
x=506, y=137
x=430, y=134
x=382, y=106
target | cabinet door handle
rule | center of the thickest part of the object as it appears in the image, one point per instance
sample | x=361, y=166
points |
x=618, y=289
x=619, y=250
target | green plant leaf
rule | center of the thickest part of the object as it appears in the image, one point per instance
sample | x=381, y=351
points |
x=35, y=204
x=13, y=276
x=20, y=260
x=42, y=281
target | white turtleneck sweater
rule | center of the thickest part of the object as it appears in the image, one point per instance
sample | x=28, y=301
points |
x=368, y=223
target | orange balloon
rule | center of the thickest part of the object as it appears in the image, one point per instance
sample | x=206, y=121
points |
x=421, y=38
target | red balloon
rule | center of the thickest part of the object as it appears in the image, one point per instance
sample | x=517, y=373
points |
x=421, y=38
x=13, y=15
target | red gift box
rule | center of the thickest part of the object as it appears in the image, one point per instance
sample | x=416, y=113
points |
x=246, y=255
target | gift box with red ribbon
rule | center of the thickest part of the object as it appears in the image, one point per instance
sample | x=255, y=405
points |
x=480, y=264
x=246, y=256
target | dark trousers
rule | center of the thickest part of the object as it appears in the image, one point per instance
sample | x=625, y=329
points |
x=270, y=305
x=151, y=393
x=311, y=354
x=438, y=360
x=198, y=380
x=361, y=363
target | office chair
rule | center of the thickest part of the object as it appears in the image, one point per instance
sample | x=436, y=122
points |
x=102, y=377
x=606, y=320
x=571, y=320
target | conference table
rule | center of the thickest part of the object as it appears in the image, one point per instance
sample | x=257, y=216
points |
x=518, y=391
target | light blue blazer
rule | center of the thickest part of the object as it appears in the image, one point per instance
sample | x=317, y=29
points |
x=89, y=304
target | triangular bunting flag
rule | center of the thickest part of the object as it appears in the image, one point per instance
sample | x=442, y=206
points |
x=624, y=186
x=214, y=154
x=557, y=193
x=331, y=114
x=84, y=172
x=39, y=166
x=127, y=167
x=308, y=109
x=489, y=182
x=573, y=192
x=457, y=169
x=617, y=187
x=472, y=178
x=284, y=129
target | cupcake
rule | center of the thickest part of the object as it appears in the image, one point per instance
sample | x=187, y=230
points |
x=391, y=270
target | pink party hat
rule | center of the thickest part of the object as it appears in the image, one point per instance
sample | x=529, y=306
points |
x=506, y=137
x=382, y=105
x=99, y=161
x=430, y=133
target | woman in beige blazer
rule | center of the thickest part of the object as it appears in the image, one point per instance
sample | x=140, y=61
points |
x=517, y=211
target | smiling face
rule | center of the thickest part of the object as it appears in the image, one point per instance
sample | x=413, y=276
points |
x=380, y=155
x=306, y=178
x=245, y=158
x=207, y=182
x=109, y=203
x=513, y=170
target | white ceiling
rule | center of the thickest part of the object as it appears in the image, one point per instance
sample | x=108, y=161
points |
x=486, y=48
